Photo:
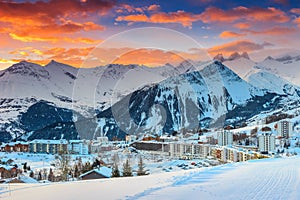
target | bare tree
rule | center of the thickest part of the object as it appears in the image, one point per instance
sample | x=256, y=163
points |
x=63, y=165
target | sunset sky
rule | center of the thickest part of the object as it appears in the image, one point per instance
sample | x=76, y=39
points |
x=68, y=30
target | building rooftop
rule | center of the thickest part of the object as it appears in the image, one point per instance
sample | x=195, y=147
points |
x=103, y=170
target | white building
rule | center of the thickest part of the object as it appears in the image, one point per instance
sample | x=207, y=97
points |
x=225, y=138
x=284, y=129
x=101, y=144
x=130, y=138
x=266, y=142
x=193, y=150
x=48, y=146
x=78, y=147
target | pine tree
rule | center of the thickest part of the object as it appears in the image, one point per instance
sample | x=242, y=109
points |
x=115, y=171
x=141, y=168
x=51, y=175
x=25, y=167
x=127, y=169
x=40, y=176
x=31, y=174
x=76, y=171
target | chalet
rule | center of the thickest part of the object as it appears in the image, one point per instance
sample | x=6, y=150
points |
x=7, y=171
x=15, y=147
x=22, y=179
x=98, y=173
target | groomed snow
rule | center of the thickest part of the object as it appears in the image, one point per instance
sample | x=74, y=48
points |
x=259, y=179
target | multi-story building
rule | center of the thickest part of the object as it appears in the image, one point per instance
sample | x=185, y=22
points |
x=284, y=129
x=48, y=146
x=78, y=147
x=191, y=150
x=225, y=138
x=266, y=142
x=100, y=145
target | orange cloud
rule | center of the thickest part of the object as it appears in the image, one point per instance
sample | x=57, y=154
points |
x=181, y=17
x=295, y=10
x=133, y=18
x=125, y=8
x=149, y=57
x=213, y=14
x=273, y=31
x=5, y=61
x=36, y=38
x=242, y=25
x=154, y=7
x=237, y=46
x=184, y=18
x=270, y=14
x=297, y=21
x=50, y=19
x=230, y=34
x=71, y=56
x=91, y=57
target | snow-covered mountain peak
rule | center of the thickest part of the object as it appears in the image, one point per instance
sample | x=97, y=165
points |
x=186, y=66
x=245, y=55
x=269, y=58
x=27, y=69
x=219, y=57
x=54, y=65
x=216, y=67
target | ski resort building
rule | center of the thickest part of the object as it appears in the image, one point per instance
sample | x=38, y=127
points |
x=189, y=150
x=48, y=146
x=266, y=142
x=284, y=129
x=78, y=147
x=225, y=138
x=15, y=147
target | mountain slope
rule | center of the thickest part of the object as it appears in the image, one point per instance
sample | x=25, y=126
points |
x=177, y=99
x=273, y=83
x=214, y=96
x=84, y=91
x=286, y=67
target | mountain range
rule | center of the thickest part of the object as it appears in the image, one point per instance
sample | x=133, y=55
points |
x=59, y=101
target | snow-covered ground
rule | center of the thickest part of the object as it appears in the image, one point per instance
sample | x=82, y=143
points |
x=257, y=179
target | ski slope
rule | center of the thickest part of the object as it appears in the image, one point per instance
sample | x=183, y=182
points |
x=259, y=179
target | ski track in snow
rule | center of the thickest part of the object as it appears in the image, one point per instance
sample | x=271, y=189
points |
x=256, y=180
x=266, y=179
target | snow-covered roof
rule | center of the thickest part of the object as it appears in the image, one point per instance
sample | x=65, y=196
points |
x=103, y=170
x=49, y=141
x=7, y=167
x=27, y=179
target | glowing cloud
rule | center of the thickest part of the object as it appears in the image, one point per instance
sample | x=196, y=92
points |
x=181, y=17
x=230, y=34
x=270, y=14
x=44, y=21
x=237, y=46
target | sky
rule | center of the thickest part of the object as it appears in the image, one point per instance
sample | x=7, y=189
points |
x=144, y=32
